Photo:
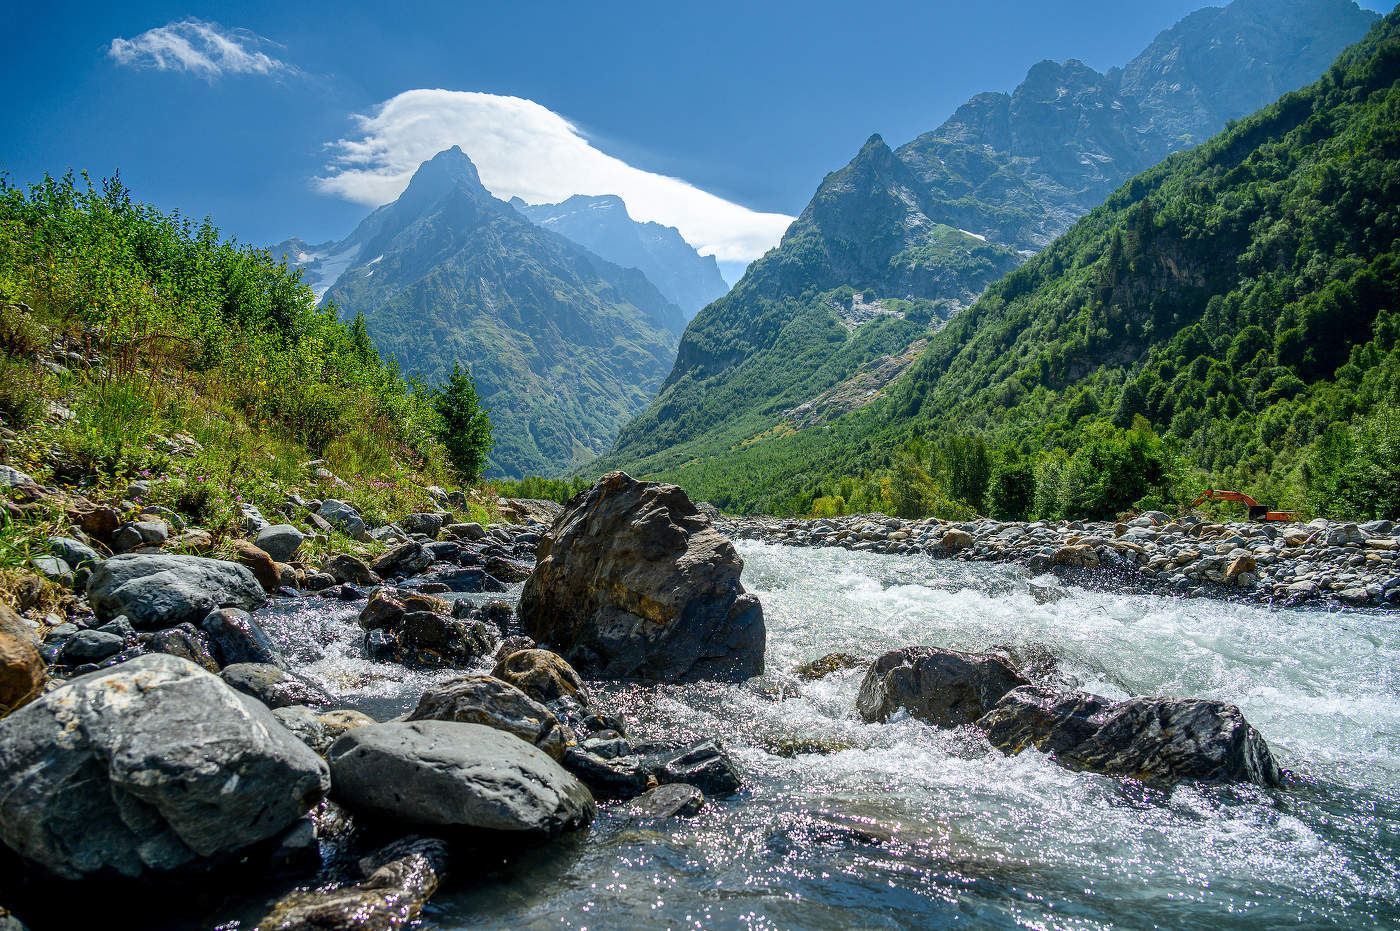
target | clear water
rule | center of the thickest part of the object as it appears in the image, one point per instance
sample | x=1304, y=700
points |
x=901, y=825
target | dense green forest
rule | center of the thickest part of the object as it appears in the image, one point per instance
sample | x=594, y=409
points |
x=123, y=328
x=1228, y=317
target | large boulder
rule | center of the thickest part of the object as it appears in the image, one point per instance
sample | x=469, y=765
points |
x=1162, y=740
x=633, y=582
x=447, y=774
x=158, y=590
x=943, y=687
x=21, y=666
x=280, y=541
x=147, y=767
x=487, y=700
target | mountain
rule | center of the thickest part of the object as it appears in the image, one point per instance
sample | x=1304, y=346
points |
x=602, y=225
x=564, y=346
x=935, y=221
x=1242, y=298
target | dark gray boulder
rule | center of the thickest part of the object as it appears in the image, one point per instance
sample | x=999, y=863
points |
x=147, y=767
x=236, y=637
x=447, y=774
x=670, y=801
x=704, y=764
x=404, y=559
x=159, y=591
x=280, y=541
x=943, y=687
x=184, y=641
x=1161, y=740
x=74, y=552
x=489, y=701
x=274, y=687
x=633, y=582
x=91, y=646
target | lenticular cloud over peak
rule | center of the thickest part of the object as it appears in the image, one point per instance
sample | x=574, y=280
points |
x=522, y=149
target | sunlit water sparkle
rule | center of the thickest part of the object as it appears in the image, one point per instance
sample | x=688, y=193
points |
x=901, y=825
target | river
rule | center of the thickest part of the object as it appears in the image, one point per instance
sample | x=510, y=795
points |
x=849, y=825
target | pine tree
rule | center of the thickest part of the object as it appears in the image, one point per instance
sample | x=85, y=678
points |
x=464, y=426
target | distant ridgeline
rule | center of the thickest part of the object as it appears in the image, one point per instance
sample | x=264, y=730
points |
x=1224, y=288
x=564, y=345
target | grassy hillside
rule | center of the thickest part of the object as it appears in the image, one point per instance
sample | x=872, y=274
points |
x=1241, y=298
x=137, y=345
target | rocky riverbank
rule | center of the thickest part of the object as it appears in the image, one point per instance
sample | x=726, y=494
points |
x=1294, y=563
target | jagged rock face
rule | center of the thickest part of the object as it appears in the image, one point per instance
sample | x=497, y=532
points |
x=1164, y=740
x=145, y=768
x=943, y=687
x=633, y=582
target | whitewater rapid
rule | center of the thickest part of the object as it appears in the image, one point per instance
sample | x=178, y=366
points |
x=844, y=824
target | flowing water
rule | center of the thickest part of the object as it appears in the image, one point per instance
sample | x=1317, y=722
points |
x=849, y=825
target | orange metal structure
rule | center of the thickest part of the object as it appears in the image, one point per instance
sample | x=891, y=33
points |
x=1257, y=511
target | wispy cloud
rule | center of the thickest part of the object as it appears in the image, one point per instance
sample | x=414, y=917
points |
x=205, y=49
x=523, y=149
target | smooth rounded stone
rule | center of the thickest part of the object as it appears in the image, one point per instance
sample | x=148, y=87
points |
x=448, y=774
x=54, y=569
x=468, y=531
x=343, y=720
x=955, y=540
x=669, y=801
x=147, y=767
x=273, y=686
x=159, y=591
x=943, y=687
x=22, y=669
x=236, y=637
x=399, y=880
x=1164, y=740
x=305, y=725
x=494, y=703
x=543, y=675
x=826, y=665
x=346, y=568
x=259, y=562
x=405, y=559
x=426, y=523
x=280, y=541
x=91, y=646
x=633, y=582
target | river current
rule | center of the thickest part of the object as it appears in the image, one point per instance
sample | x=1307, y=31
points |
x=843, y=824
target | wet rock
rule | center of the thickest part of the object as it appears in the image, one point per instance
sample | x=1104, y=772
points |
x=148, y=767
x=669, y=801
x=159, y=591
x=22, y=671
x=184, y=641
x=513, y=645
x=633, y=582
x=259, y=562
x=303, y=722
x=432, y=639
x=494, y=703
x=703, y=764
x=346, y=568
x=617, y=778
x=280, y=541
x=399, y=880
x=502, y=570
x=405, y=559
x=1078, y=556
x=235, y=637
x=543, y=675
x=1152, y=739
x=383, y=611
x=943, y=687
x=453, y=775
x=469, y=580
x=831, y=662
x=274, y=687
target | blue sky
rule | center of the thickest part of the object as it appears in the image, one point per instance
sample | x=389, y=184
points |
x=749, y=104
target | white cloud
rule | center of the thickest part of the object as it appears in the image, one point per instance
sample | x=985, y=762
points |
x=206, y=49
x=523, y=149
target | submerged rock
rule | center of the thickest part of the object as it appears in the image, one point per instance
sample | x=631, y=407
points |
x=669, y=801
x=448, y=774
x=633, y=582
x=399, y=880
x=147, y=767
x=1152, y=739
x=494, y=703
x=826, y=665
x=943, y=687
x=159, y=591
